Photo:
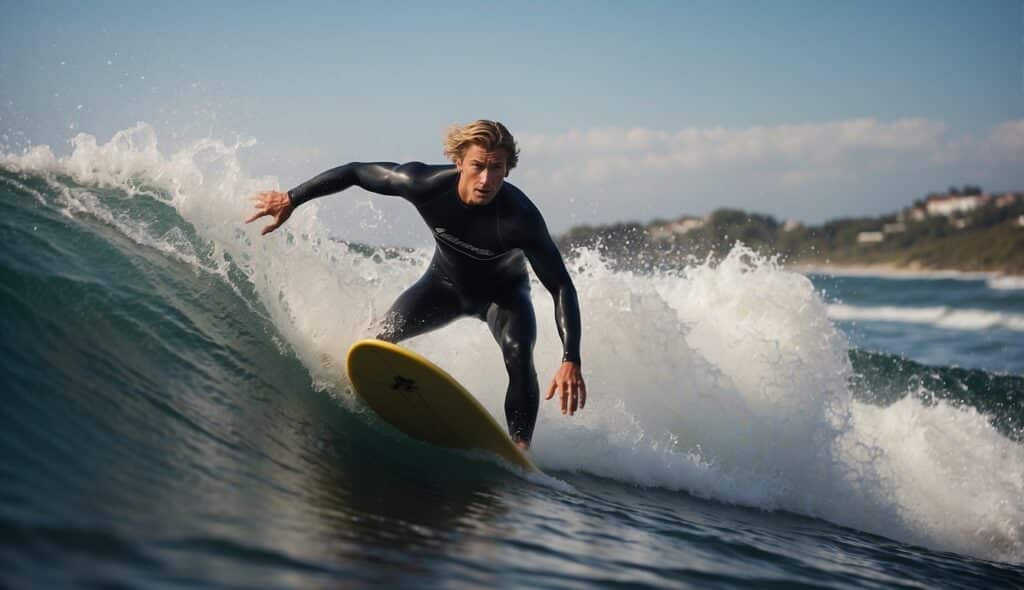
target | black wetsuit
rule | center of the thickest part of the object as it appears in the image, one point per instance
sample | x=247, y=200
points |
x=478, y=269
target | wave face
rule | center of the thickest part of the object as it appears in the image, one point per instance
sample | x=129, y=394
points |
x=174, y=388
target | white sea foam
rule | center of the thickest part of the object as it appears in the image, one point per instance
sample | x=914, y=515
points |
x=1006, y=283
x=938, y=316
x=297, y=272
x=729, y=382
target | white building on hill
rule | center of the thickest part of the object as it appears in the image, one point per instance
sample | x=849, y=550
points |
x=947, y=205
x=870, y=237
x=675, y=228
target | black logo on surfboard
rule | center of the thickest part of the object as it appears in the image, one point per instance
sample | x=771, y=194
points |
x=403, y=384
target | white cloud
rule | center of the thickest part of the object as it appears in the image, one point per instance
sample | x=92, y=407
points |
x=810, y=171
x=1009, y=135
x=794, y=144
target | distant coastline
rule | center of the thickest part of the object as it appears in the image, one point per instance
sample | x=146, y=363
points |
x=962, y=231
x=893, y=271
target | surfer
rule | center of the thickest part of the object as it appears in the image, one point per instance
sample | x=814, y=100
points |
x=485, y=229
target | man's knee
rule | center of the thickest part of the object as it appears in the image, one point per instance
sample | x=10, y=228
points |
x=518, y=355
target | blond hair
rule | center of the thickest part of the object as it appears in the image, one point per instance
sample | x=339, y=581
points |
x=490, y=135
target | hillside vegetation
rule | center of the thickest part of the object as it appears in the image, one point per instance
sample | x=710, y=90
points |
x=989, y=238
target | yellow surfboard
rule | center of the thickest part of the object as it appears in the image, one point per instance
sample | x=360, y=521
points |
x=420, y=399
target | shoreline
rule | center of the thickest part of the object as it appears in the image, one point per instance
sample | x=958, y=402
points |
x=894, y=271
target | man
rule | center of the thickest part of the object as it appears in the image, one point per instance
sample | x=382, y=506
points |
x=483, y=227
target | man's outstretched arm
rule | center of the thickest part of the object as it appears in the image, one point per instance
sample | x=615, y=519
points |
x=387, y=178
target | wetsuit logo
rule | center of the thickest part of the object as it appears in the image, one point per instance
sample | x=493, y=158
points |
x=442, y=234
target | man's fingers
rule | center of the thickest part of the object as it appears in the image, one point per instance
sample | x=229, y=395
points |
x=269, y=228
x=551, y=390
x=572, y=388
x=256, y=216
x=260, y=203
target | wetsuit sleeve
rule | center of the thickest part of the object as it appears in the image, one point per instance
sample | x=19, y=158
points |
x=547, y=263
x=386, y=178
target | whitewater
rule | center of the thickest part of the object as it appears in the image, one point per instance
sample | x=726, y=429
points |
x=729, y=385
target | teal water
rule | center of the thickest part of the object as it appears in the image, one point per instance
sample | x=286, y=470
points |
x=970, y=321
x=165, y=424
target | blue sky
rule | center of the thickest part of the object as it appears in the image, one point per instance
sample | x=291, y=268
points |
x=625, y=110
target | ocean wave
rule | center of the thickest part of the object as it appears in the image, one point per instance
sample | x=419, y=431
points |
x=939, y=316
x=729, y=382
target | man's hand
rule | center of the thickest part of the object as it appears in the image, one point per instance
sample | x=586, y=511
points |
x=569, y=380
x=275, y=204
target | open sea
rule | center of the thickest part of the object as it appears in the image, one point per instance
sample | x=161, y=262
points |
x=174, y=413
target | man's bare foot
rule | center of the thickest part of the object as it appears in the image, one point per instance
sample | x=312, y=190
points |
x=523, y=445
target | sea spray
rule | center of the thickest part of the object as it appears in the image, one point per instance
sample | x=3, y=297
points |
x=320, y=294
x=727, y=381
x=955, y=480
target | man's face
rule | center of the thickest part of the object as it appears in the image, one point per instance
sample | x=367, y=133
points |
x=481, y=174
